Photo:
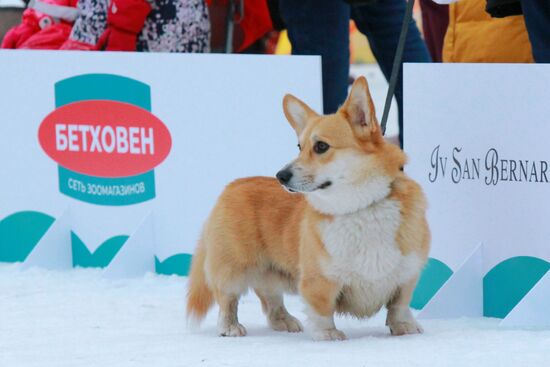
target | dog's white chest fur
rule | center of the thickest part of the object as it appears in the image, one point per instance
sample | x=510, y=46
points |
x=365, y=258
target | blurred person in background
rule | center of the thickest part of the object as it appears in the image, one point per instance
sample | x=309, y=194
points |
x=113, y=25
x=45, y=24
x=474, y=36
x=537, y=21
x=141, y=25
x=493, y=30
x=435, y=20
x=321, y=27
x=254, y=26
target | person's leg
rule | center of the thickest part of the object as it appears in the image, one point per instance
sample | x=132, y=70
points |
x=381, y=22
x=435, y=19
x=321, y=27
x=537, y=21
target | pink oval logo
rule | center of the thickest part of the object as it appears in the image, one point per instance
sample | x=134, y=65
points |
x=105, y=138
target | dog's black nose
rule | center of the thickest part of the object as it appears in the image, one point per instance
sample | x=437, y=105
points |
x=284, y=176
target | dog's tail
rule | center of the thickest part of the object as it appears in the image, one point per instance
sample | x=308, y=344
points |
x=199, y=296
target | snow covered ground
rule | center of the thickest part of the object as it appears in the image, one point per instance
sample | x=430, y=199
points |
x=79, y=318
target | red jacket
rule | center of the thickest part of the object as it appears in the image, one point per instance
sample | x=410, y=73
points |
x=255, y=23
x=46, y=25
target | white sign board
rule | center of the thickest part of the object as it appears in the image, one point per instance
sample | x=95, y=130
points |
x=131, y=149
x=477, y=139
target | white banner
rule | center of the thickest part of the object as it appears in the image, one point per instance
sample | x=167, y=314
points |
x=116, y=142
x=477, y=140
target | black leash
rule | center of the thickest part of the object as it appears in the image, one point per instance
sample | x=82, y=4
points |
x=235, y=14
x=397, y=63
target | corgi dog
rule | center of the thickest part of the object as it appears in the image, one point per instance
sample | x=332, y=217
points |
x=342, y=225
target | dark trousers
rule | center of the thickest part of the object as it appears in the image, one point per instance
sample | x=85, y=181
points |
x=435, y=19
x=321, y=27
x=537, y=21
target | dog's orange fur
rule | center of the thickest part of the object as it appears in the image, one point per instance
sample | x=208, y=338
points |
x=261, y=236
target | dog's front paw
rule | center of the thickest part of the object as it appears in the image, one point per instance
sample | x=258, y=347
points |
x=288, y=323
x=330, y=334
x=405, y=327
x=402, y=322
x=232, y=330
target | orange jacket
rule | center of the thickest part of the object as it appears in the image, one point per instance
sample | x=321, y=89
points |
x=473, y=36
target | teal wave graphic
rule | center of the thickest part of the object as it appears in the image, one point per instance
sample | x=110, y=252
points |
x=20, y=232
x=509, y=281
x=178, y=264
x=101, y=257
x=434, y=275
x=503, y=286
x=103, y=87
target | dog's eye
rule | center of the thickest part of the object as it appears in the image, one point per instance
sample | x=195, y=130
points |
x=320, y=147
x=299, y=146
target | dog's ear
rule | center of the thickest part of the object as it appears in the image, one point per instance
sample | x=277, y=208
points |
x=297, y=113
x=359, y=108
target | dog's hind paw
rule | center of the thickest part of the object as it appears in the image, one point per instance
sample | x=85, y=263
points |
x=405, y=327
x=232, y=330
x=330, y=334
x=288, y=323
